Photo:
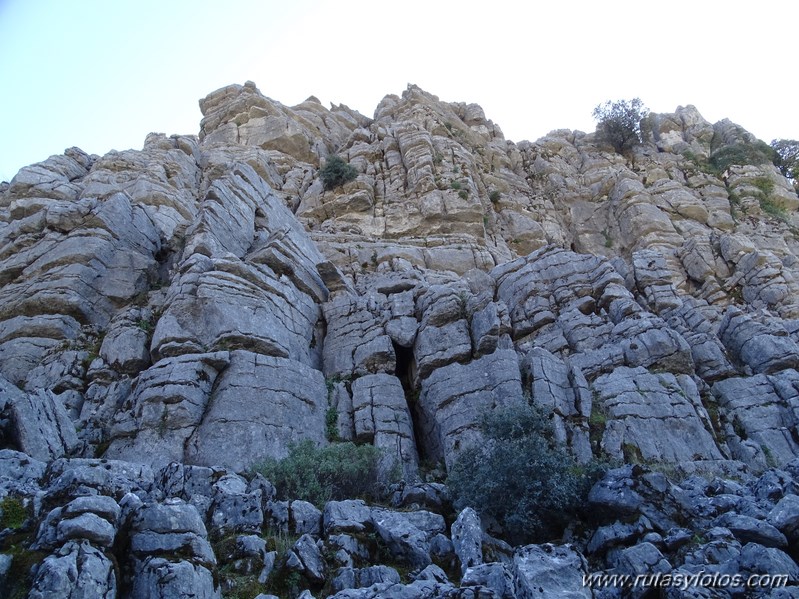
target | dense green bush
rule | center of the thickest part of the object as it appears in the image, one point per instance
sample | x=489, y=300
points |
x=786, y=157
x=520, y=477
x=319, y=474
x=619, y=123
x=336, y=172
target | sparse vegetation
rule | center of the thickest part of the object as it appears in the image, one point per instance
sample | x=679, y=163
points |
x=494, y=196
x=331, y=424
x=520, y=477
x=619, y=123
x=319, y=474
x=337, y=172
x=765, y=189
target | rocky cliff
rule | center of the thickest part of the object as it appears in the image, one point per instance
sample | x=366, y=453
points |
x=172, y=316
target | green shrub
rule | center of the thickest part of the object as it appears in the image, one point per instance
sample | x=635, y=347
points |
x=336, y=172
x=786, y=157
x=741, y=153
x=463, y=194
x=319, y=474
x=331, y=424
x=12, y=513
x=494, y=196
x=520, y=477
x=619, y=123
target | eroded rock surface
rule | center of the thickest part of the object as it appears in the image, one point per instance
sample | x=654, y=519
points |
x=171, y=316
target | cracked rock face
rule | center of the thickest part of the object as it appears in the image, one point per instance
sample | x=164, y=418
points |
x=199, y=305
x=124, y=274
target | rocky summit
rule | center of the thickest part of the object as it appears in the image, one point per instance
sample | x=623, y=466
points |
x=174, y=317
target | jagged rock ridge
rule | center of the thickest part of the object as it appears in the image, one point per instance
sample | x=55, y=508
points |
x=205, y=301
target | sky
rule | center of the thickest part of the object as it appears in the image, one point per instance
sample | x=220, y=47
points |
x=102, y=74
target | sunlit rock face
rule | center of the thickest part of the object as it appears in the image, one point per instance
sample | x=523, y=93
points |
x=189, y=301
x=171, y=317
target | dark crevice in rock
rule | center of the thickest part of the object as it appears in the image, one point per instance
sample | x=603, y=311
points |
x=406, y=373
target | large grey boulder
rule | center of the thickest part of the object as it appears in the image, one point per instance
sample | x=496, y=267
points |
x=76, y=570
x=305, y=518
x=159, y=529
x=351, y=515
x=160, y=578
x=99, y=531
x=125, y=346
x=306, y=557
x=467, y=539
x=354, y=578
x=748, y=529
x=234, y=509
x=19, y=473
x=758, y=559
x=40, y=426
x=643, y=558
x=494, y=576
x=549, y=571
x=404, y=539
x=67, y=479
x=785, y=516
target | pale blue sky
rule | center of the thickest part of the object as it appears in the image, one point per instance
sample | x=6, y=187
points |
x=100, y=75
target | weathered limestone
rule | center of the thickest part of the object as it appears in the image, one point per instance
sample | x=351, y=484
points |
x=760, y=413
x=167, y=405
x=648, y=416
x=199, y=305
x=454, y=397
x=381, y=417
x=260, y=404
x=39, y=422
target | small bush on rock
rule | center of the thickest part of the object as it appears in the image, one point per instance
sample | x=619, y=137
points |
x=320, y=474
x=520, y=477
x=336, y=172
x=619, y=123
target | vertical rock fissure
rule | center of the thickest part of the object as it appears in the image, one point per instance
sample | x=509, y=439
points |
x=404, y=371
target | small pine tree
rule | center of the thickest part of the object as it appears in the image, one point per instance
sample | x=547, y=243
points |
x=336, y=172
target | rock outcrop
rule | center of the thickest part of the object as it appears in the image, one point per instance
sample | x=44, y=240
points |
x=173, y=316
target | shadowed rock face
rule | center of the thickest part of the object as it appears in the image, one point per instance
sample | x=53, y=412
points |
x=195, y=307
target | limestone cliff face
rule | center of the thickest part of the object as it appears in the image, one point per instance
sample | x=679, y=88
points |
x=205, y=300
